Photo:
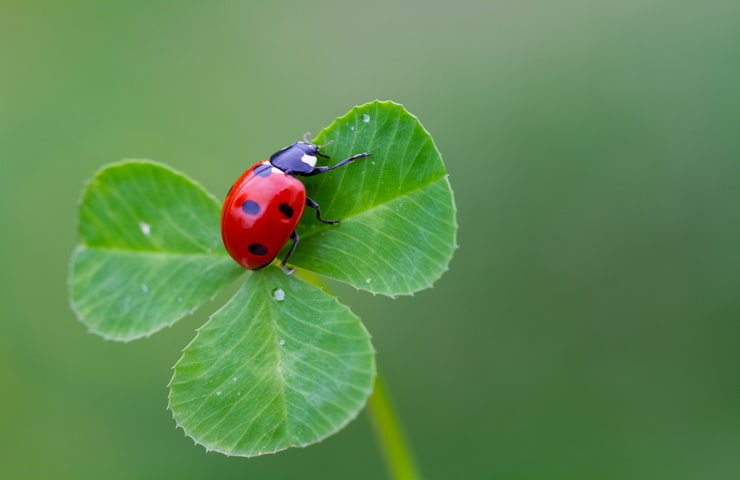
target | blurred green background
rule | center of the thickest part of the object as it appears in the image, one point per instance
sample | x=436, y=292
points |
x=589, y=325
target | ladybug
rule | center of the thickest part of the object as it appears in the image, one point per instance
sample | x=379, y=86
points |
x=264, y=205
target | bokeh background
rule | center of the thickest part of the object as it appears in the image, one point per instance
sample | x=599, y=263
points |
x=589, y=326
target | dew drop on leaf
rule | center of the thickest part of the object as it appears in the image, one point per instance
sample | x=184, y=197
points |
x=146, y=229
x=282, y=341
x=278, y=294
x=144, y=287
x=365, y=117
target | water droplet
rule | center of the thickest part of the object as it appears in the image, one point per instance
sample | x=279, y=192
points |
x=218, y=393
x=146, y=229
x=352, y=127
x=144, y=288
x=278, y=294
x=372, y=162
x=368, y=280
x=282, y=341
x=235, y=379
x=365, y=117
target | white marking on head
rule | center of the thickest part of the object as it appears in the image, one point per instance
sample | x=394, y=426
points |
x=309, y=160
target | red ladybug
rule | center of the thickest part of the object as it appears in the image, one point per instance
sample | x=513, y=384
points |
x=263, y=207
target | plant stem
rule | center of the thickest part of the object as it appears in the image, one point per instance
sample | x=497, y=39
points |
x=391, y=439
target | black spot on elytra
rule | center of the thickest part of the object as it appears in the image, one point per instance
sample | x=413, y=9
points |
x=251, y=207
x=257, y=249
x=286, y=209
x=263, y=170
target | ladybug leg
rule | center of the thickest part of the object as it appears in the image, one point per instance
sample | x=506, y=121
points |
x=316, y=207
x=294, y=237
x=319, y=170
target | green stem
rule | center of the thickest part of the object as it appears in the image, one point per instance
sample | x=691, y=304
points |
x=391, y=439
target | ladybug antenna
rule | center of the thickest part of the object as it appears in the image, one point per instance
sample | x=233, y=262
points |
x=319, y=147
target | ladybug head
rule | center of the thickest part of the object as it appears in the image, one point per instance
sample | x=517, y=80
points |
x=297, y=158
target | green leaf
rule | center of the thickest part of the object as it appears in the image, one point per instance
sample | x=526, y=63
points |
x=398, y=229
x=282, y=364
x=149, y=250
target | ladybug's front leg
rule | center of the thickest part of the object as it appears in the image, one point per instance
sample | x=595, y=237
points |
x=316, y=207
x=319, y=170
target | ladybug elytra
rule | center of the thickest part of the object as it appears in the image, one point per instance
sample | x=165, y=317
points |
x=264, y=205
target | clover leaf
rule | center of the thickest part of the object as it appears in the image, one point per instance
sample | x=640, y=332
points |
x=283, y=363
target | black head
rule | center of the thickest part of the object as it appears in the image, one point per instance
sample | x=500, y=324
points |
x=299, y=158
